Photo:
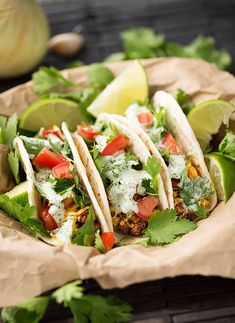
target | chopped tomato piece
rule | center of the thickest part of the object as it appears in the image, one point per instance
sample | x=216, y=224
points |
x=145, y=118
x=87, y=132
x=47, y=132
x=50, y=222
x=62, y=170
x=43, y=212
x=169, y=143
x=48, y=159
x=146, y=206
x=47, y=218
x=108, y=240
x=118, y=143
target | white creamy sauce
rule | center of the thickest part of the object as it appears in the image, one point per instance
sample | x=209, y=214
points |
x=101, y=142
x=57, y=211
x=114, y=165
x=124, y=188
x=176, y=166
x=64, y=233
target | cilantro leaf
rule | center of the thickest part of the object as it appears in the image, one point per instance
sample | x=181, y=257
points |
x=115, y=57
x=201, y=212
x=76, y=63
x=98, y=160
x=34, y=145
x=96, y=309
x=30, y=311
x=99, y=76
x=184, y=101
x=85, y=235
x=14, y=164
x=99, y=243
x=194, y=190
x=80, y=196
x=153, y=168
x=8, y=129
x=148, y=185
x=66, y=293
x=25, y=214
x=47, y=78
x=227, y=145
x=165, y=226
x=129, y=156
x=201, y=47
x=62, y=185
x=141, y=43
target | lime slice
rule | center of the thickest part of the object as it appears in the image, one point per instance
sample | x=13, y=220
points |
x=130, y=86
x=222, y=172
x=48, y=112
x=207, y=117
x=19, y=193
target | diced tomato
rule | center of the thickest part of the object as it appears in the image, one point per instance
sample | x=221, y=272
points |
x=145, y=118
x=87, y=132
x=47, y=132
x=47, y=218
x=48, y=159
x=169, y=143
x=118, y=143
x=62, y=170
x=50, y=222
x=43, y=212
x=146, y=206
x=108, y=240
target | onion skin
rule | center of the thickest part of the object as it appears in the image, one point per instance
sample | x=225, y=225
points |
x=24, y=33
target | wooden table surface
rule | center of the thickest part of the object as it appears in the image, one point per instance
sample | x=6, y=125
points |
x=181, y=299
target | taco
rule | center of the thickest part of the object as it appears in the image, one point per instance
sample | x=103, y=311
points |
x=125, y=178
x=58, y=189
x=165, y=130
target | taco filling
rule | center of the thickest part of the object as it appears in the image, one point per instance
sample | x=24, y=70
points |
x=191, y=190
x=65, y=205
x=131, y=185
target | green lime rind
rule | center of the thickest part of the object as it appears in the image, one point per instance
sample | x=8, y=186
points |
x=222, y=171
x=19, y=193
x=207, y=117
x=53, y=111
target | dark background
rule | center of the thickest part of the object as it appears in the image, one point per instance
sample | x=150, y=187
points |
x=182, y=299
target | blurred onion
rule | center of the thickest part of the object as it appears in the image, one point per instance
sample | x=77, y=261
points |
x=24, y=34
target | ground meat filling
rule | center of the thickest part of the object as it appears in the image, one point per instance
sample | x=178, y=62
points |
x=132, y=225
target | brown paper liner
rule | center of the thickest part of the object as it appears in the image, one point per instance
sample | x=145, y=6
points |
x=30, y=267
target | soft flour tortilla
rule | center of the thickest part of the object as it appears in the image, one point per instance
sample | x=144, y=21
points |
x=138, y=148
x=34, y=195
x=30, y=267
x=83, y=177
x=184, y=135
x=154, y=151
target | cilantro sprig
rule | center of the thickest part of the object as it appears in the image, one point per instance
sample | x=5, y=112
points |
x=142, y=42
x=153, y=168
x=85, y=308
x=165, y=226
x=25, y=214
x=227, y=145
x=8, y=131
x=47, y=78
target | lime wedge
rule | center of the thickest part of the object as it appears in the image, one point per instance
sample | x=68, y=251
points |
x=222, y=172
x=48, y=112
x=130, y=86
x=207, y=117
x=19, y=193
